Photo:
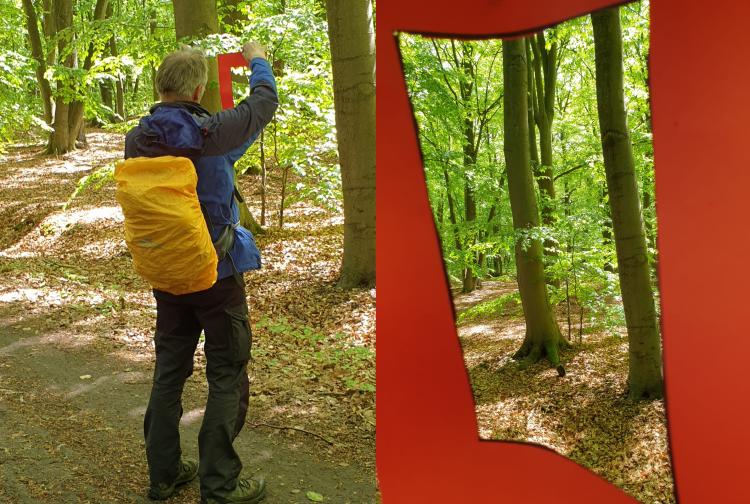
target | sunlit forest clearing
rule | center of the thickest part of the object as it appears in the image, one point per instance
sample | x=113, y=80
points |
x=77, y=322
x=539, y=166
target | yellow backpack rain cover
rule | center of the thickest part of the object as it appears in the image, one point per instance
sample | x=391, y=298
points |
x=164, y=227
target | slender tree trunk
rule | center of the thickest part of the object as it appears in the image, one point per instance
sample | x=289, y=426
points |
x=470, y=160
x=543, y=336
x=545, y=77
x=532, y=113
x=645, y=366
x=262, y=180
x=119, y=85
x=77, y=107
x=352, y=39
x=59, y=142
x=545, y=80
x=451, y=210
x=37, y=52
x=197, y=19
x=49, y=24
x=152, y=31
x=284, y=178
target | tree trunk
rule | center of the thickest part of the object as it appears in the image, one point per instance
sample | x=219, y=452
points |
x=77, y=107
x=543, y=336
x=195, y=19
x=37, y=52
x=50, y=28
x=545, y=80
x=119, y=85
x=466, y=86
x=152, y=31
x=531, y=100
x=451, y=209
x=59, y=141
x=645, y=366
x=352, y=39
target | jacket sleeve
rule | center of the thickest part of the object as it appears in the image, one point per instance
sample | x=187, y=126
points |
x=234, y=129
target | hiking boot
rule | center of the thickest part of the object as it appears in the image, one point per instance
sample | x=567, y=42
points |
x=187, y=472
x=247, y=491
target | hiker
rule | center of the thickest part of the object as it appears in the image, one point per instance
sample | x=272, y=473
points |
x=179, y=126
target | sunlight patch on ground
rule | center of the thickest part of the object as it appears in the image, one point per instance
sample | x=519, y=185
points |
x=104, y=248
x=69, y=167
x=584, y=416
x=86, y=216
x=50, y=297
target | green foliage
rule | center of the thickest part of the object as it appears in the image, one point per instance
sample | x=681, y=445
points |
x=18, y=109
x=580, y=234
x=93, y=181
x=127, y=46
x=302, y=135
x=493, y=308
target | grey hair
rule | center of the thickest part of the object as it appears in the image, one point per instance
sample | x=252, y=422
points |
x=181, y=72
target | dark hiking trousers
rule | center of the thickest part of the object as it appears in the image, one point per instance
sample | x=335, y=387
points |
x=221, y=312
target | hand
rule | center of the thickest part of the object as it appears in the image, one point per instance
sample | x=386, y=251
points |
x=253, y=50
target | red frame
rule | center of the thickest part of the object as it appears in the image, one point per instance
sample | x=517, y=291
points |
x=428, y=446
x=226, y=62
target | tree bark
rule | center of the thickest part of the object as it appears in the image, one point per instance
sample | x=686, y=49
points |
x=531, y=100
x=77, y=107
x=119, y=85
x=197, y=19
x=470, y=160
x=543, y=336
x=59, y=141
x=645, y=366
x=451, y=209
x=37, y=52
x=545, y=77
x=352, y=40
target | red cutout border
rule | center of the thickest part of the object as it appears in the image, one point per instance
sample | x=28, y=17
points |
x=428, y=450
x=226, y=62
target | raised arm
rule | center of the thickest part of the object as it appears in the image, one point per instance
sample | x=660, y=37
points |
x=233, y=130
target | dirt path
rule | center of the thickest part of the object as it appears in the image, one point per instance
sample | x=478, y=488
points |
x=76, y=357
x=583, y=416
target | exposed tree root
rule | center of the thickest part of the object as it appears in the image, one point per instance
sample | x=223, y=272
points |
x=532, y=352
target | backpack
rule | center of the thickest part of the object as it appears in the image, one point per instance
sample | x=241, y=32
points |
x=165, y=229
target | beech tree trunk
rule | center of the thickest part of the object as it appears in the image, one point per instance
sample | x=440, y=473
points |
x=77, y=107
x=352, y=40
x=37, y=52
x=545, y=79
x=119, y=85
x=470, y=160
x=543, y=337
x=194, y=19
x=645, y=366
x=544, y=73
x=60, y=138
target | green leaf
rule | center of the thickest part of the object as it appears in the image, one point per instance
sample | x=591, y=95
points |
x=314, y=496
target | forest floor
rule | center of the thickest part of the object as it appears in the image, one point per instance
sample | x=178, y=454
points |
x=584, y=416
x=76, y=351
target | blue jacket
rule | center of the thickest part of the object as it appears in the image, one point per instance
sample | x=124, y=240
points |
x=214, y=143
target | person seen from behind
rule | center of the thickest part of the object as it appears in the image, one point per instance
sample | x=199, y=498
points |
x=179, y=126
